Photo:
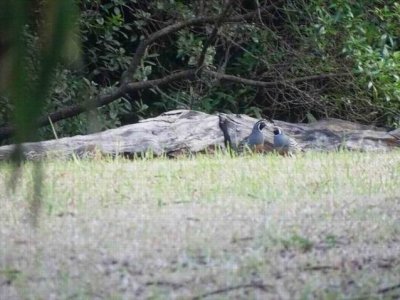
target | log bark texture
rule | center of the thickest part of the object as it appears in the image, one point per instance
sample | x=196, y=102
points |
x=185, y=132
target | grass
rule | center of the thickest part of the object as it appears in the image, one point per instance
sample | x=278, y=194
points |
x=319, y=226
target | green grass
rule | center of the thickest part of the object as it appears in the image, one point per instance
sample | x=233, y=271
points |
x=318, y=226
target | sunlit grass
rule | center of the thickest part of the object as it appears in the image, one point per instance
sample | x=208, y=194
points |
x=315, y=225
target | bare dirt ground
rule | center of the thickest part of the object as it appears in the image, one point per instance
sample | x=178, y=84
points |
x=323, y=226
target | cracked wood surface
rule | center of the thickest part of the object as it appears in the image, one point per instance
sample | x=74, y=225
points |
x=184, y=131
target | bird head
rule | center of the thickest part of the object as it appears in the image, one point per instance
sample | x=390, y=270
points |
x=261, y=125
x=277, y=130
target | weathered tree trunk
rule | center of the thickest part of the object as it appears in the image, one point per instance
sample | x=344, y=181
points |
x=184, y=131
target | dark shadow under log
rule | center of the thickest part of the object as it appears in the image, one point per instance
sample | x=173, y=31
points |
x=185, y=132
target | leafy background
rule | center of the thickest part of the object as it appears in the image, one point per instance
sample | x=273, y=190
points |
x=301, y=38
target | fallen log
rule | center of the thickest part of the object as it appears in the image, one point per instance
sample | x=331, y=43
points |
x=187, y=132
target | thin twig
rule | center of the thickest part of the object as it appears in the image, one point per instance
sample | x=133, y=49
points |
x=388, y=289
x=259, y=286
x=174, y=285
x=319, y=268
x=141, y=49
x=274, y=83
x=212, y=36
x=52, y=128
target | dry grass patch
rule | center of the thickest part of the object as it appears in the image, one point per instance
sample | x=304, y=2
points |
x=323, y=226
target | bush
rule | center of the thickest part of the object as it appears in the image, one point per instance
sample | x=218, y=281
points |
x=357, y=38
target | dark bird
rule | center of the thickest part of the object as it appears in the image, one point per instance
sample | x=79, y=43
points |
x=284, y=144
x=255, y=141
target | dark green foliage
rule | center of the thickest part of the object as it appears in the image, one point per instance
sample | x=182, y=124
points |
x=363, y=36
x=357, y=38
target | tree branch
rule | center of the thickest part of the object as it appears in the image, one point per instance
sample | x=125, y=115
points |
x=187, y=74
x=74, y=110
x=141, y=49
x=252, y=82
x=213, y=35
